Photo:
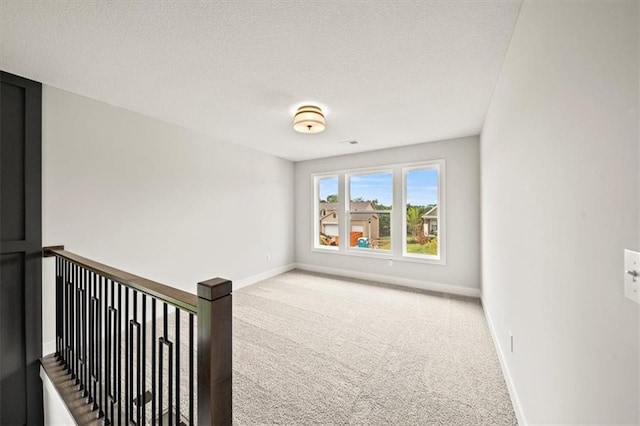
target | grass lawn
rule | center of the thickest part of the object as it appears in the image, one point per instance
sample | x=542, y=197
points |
x=430, y=247
x=384, y=243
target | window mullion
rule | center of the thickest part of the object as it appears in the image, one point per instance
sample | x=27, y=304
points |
x=396, y=219
x=343, y=194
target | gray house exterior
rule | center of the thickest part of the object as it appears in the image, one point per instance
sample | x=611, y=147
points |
x=430, y=222
x=361, y=220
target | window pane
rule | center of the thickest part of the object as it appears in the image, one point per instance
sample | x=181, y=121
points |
x=422, y=215
x=371, y=198
x=327, y=208
x=374, y=188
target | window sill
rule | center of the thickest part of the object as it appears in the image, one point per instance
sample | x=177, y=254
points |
x=326, y=249
x=381, y=255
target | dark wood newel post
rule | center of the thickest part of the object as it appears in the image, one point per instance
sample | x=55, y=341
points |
x=214, y=352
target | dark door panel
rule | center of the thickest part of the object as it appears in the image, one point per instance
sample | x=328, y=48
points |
x=13, y=371
x=20, y=251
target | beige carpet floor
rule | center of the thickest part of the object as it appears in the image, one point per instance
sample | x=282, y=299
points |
x=311, y=349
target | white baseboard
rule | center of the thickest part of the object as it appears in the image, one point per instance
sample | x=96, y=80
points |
x=244, y=282
x=48, y=347
x=522, y=421
x=387, y=279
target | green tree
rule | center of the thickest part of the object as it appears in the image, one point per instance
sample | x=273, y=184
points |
x=333, y=198
x=385, y=224
x=414, y=220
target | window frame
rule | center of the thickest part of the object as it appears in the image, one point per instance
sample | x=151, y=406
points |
x=347, y=205
x=316, y=214
x=438, y=165
x=397, y=250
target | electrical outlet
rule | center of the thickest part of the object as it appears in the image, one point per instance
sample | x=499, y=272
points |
x=390, y=262
x=268, y=257
x=632, y=275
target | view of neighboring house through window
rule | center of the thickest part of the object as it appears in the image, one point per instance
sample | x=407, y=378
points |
x=357, y=206
x=371, y=200
x=328, y=219
x=421, y=223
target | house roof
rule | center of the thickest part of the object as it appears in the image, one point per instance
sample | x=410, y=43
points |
x=330, y=208
x=431, y=214
x=355, y=206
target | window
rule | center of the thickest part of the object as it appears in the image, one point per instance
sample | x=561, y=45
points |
x=421, y=187
x=366, y=198
x=327, y=216
x=369, y=210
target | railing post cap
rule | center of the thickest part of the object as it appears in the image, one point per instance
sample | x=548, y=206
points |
x=214, y=288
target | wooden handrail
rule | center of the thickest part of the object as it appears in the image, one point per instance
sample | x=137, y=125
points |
x=173, y=296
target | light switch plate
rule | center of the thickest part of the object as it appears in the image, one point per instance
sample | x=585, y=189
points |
x=631, y=282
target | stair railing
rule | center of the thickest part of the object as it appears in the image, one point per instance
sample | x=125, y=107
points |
x=119, y=338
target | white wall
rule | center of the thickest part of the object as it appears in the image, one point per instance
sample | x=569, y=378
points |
x=158, y=200
x=560, y=202
x=461, y=274
x=55, y=410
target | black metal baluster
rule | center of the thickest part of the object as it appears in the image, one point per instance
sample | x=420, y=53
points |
x=93, y=322
x=78, y=319
x=67, y=322
x=91, y=350
x=104, y=338
x=119, y=340
x=138, y=369
x=170, y=383
x=115, y=345
x=76, y=324
x=70, y=321
x=177, y=369
x=99, y=287
x=191, y=353
x=59, y=308
x=127, y=365
x=169, y=365
x=64, y=309
x=134, y=396
x=143, y=391
x=67, y=317
x=72, y=313
x=68, y=312
x=162, y=339
x=169, y=345
x=80, y=331
x=85, y=338
x=153, y=359
x=108, y=374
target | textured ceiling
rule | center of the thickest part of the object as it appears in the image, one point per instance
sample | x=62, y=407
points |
x=390, y=73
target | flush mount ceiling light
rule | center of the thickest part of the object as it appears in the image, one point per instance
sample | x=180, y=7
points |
x=309, y=119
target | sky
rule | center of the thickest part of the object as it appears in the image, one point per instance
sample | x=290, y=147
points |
x=422, y=187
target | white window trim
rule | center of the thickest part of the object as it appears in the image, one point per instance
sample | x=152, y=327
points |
x=440, y=258
x=347, y=198
x=315, y=245
x=398, y=222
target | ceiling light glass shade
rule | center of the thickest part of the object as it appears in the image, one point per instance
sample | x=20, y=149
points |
x=309, y=119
